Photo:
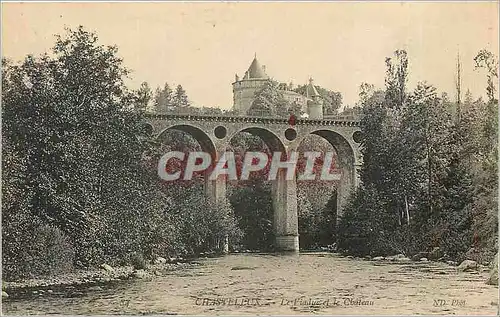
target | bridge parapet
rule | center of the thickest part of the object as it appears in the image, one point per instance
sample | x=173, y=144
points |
x=331, y=121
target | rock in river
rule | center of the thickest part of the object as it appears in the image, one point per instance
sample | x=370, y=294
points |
x=435, y=254
x=160, y=260
x=403, y=259
x=399, y=258
x=140, y=274
x=108, y=268
x=420, y=255
x=467, y=265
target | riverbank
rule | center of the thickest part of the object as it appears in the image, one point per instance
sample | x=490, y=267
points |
x=270, y=284
x=88, y=278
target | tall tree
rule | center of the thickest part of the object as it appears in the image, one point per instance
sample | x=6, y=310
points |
x=366, y=91
x=163, y=98
x=180, y=98
x=458, y=86
x=431, y=123
x=141, y=98
x=396, y=79
x=69, y=116
x=487, y=60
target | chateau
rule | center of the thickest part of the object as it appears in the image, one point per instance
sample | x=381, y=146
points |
x=255, y=77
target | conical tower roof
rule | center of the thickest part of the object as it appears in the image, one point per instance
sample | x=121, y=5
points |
x=255, y=71
x=311, y=90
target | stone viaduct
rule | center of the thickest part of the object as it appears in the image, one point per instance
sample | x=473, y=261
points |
x=214, y=134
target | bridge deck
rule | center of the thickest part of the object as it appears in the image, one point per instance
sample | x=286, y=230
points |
x=331, y=121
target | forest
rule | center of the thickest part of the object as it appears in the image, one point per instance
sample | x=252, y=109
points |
x=80, y=186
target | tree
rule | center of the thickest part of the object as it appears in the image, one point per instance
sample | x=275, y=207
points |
x=387, y=172
x=436, y=123
x=458, y=86
x=481, y=121
x=269, y=101
x=70, y=117
x=142, y=97
x=82, y=175
x=163, y=99
x=457, y=196
x=487, y=60
x=363, y=224
x=254, y=212
x=295, y=108
x=396, y=79
x=427, y=180
x=180, y=99
x=366, y=91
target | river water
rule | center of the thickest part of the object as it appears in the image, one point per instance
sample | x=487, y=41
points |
x=263, y=284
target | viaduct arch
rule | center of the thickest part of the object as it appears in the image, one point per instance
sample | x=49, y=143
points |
x=214, y=134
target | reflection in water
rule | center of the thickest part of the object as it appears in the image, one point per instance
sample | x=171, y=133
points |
x=269, y=284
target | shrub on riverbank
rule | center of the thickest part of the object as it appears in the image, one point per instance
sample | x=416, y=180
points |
x=363, y=224
x=31, y=248
x=254, y=213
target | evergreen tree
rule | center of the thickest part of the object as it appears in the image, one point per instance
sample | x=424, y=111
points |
x=163, y=98
x=180, y=99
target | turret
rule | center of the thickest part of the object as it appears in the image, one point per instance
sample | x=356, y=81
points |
x=315, y=103
x=315, y=109
x=244, y=90
x=256, y=71
x=311, y=91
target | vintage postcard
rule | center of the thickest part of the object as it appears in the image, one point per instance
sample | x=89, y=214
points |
x=250, y=158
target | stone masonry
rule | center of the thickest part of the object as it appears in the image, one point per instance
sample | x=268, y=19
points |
x=215, y=132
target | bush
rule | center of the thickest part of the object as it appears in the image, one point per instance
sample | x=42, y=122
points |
x=200, y=224
x=254, y=213
x=365, y=225
x=45, y=250
x=137, y=261
x=317, y=226
x=52, y=251
x=403, y=240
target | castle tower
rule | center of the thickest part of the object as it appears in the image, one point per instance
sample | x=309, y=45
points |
x=244, y=89
x=315, y=104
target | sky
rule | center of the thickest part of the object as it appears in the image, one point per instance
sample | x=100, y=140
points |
x=203, y=45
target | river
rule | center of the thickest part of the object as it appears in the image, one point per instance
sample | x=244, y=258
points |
x=263, y=284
